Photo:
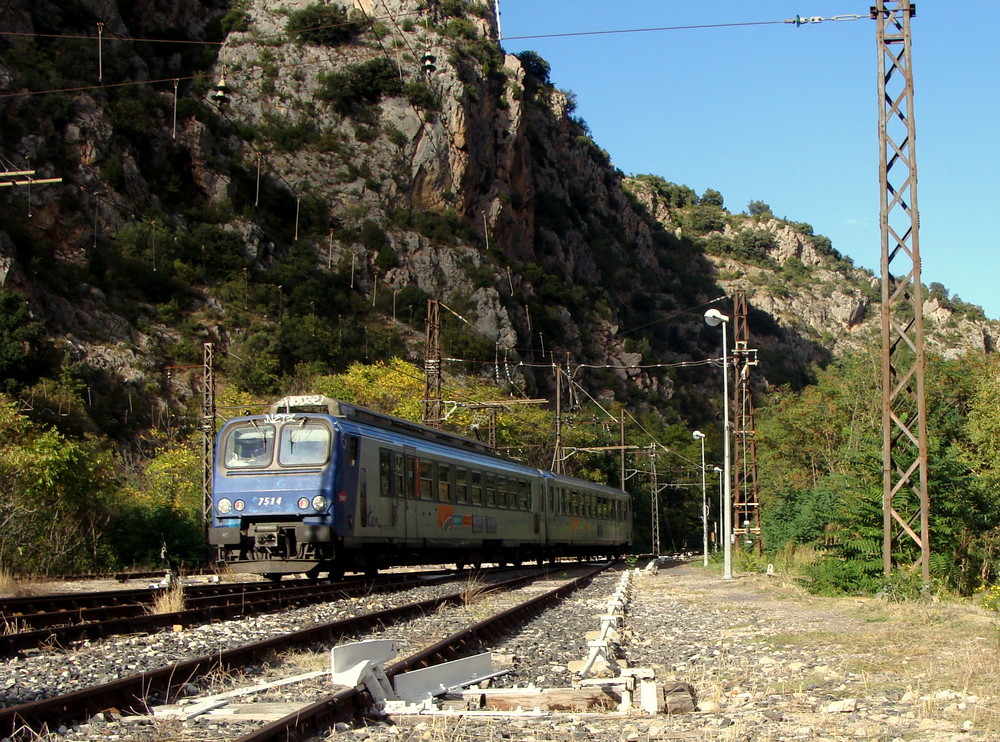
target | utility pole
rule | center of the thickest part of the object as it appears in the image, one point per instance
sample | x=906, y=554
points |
x=654, y=487
x=746, y=499
x=207, y=431
x=432, y=365
x=557, y=455
x=621, y=444
x=905, y=497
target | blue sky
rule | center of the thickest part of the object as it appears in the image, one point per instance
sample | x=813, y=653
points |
x=789, y=115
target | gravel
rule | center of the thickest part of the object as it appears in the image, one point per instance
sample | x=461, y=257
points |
x=733, y=641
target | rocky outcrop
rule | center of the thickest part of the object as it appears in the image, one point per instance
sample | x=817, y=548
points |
x=472, y=182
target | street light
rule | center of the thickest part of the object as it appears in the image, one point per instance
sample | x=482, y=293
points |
x=714, y=318
x=718, y=524
x=699, y=436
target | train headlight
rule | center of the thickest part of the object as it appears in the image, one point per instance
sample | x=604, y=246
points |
x=223, y=506
x=319, y=502
x=303, y=503
x=239, y=505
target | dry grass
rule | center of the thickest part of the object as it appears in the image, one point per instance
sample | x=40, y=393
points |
x=170, y=600
x=12, y=586
x=475, y=590
x=10, y=626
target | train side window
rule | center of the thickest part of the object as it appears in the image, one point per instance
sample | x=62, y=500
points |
x=502, y=492
x=444, y=482
x=426, y=489
x=491, y=490
x=523, y=495
x=385, y=472
x=477, y=488
x=397, y=475
x=461, y=485
x=352, y=447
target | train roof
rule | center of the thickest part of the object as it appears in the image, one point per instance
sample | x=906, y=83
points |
x=566, y=479
x=320, y=404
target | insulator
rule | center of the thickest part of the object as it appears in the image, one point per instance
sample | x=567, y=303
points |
x=429, y=63
x=221, y=94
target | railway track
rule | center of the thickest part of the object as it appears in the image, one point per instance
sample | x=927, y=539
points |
x=60, y=620
x=130, y=695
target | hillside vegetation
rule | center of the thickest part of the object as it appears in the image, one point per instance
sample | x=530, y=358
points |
x=358, y=161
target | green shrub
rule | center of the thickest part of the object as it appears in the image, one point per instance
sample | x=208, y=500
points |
x=324, y=25
x=360, y=85
x=754, y=244
x=421, y=95
x=703, y=219
x=237, y=19
x=459, y=28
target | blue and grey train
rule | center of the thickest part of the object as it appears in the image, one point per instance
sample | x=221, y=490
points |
x=318, y=485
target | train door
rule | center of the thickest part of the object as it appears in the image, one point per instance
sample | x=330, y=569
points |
x=376, y=503
x=410, y=502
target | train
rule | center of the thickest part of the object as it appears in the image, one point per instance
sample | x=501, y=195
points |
x=318, y=485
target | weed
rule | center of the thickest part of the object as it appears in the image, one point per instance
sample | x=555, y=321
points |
x=12, y=586
x=474, y=590
x=170, y=600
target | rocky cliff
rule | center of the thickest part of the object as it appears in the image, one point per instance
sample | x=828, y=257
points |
x=295, y=184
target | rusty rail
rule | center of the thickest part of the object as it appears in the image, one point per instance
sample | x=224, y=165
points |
x=128, y=695
x=345, y=705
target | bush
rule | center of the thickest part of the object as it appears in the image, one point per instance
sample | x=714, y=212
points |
x=754, y=245
x=703, y=219
x=359, y=85
x=421, y=95
x=237, y=19
x=324, y=25
x=535, y=66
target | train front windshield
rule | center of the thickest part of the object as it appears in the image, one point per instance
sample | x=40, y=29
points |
x=301, y=443
x=249, y=447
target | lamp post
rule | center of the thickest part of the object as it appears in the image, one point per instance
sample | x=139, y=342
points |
x=699, y=436
x=714, y=318
x=718, y=523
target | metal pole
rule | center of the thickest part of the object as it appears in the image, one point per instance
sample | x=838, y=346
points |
x=715, y=318
x=727, y=513
x=698, y=435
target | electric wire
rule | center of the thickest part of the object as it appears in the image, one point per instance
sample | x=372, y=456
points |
x=609, y=32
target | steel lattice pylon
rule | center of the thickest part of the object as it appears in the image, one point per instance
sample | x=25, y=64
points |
x=905, y=499
x=746, y=500
x=207, y=431
x=432, y=365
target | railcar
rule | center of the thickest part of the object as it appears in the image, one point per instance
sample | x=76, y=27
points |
x=319, y=485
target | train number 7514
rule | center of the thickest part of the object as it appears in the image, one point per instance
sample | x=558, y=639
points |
x=268, y=501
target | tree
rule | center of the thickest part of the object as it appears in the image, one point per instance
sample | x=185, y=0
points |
x=20, y=342
x=55, y=498
x=712, y=197
x=820, y=469
x=759, y=209
x=535, y=66
x=324, y=25
x=160, y=518
x=360, y=84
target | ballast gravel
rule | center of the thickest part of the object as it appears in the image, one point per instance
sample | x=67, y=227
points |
x=45, y=673
x=733, y=641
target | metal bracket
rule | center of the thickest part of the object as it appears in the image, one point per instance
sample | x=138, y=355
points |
x=360, y=664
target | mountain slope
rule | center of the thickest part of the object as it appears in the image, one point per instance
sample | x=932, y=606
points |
x=302, y=222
